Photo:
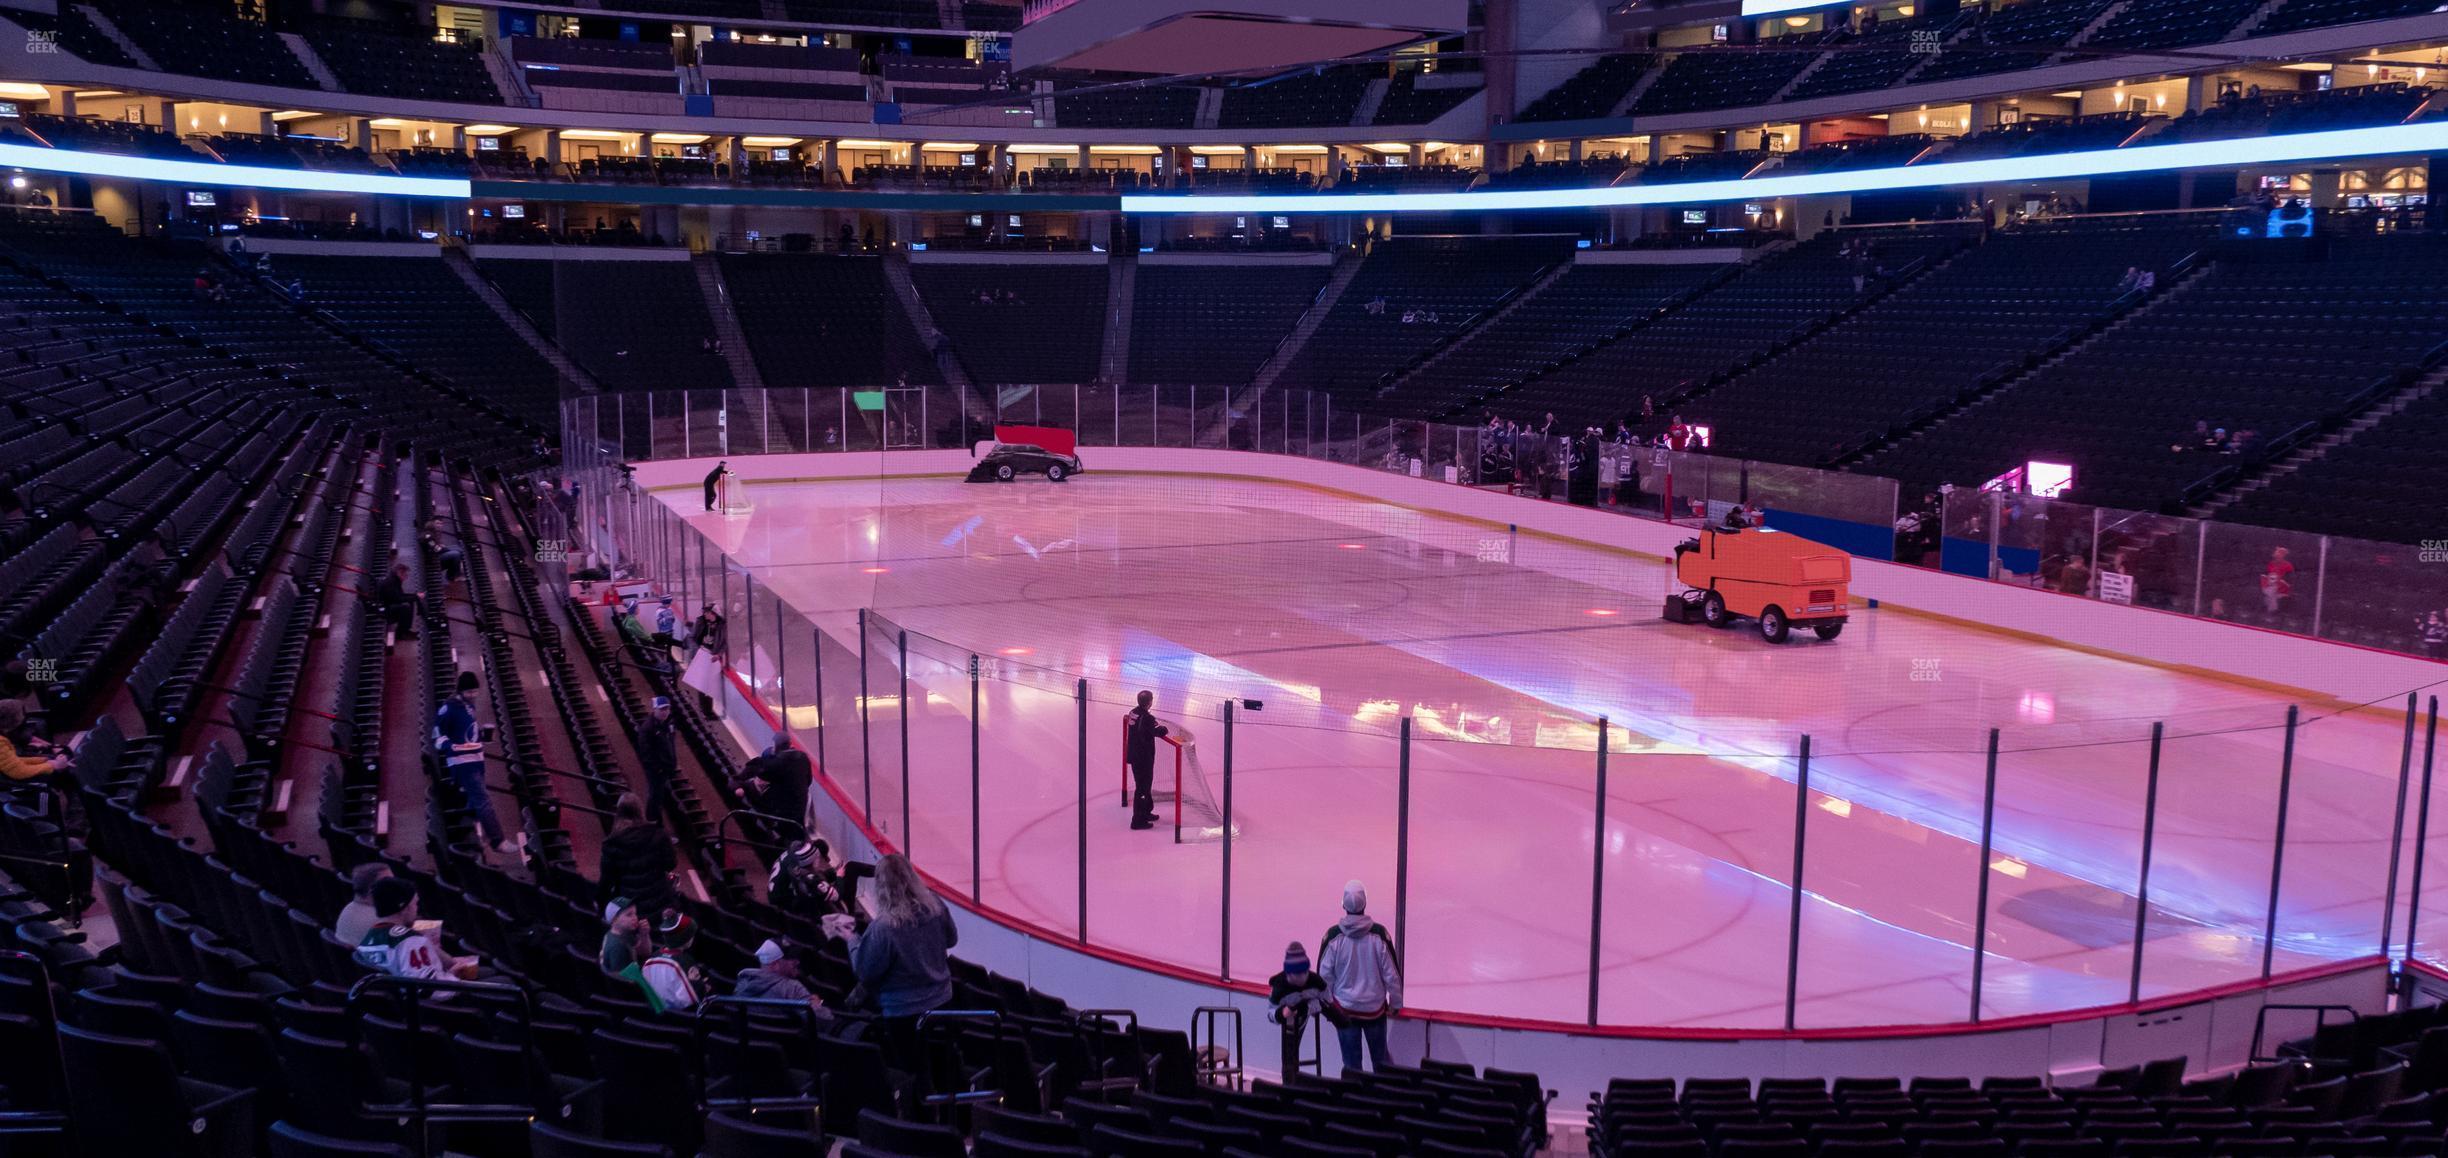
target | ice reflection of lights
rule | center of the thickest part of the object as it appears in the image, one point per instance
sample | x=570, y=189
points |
x=1836, y=806
x=2038, y=708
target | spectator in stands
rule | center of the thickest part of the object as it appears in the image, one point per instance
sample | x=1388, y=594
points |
x=401, y=946
x=2075, y=577
x=774, y=978
x=903, y=959
x=1363, y=980
x=1294, y=996
x=451, y=558
x=776, y=782
x=17, y=767
x=625, y=943
x=671, y=977
x=666, y=624
x=2277, y=582
x=710, y=634
x=658, y=751
x=358, y=918
x=637, y=859
x=395, y=602
x=2130, y=282
x=460, y=743
x=2434, y=632
x=1141, y=730
x=805, y=882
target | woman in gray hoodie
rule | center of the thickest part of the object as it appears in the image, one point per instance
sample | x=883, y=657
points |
x=1363, y=980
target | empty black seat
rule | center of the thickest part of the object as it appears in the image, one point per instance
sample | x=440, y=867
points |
x=125, y=1096
x=288, y=1141
x=548, y=1141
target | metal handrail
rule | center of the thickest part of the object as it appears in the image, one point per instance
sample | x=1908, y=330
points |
x=698, y=1035
x=419, y=1108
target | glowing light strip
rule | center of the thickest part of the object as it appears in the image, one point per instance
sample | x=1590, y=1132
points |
x=1779, y=7
x=208, y=173
x=2422, y=137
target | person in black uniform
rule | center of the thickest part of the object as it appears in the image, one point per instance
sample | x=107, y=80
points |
x=1139, y=750
x=776, y=782
x=712, y=477
x=658, y=750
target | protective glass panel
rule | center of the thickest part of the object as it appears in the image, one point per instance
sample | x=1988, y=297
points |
x=2065, y=860
x=2260, y=576
x=1890, y=874
x=1176, y=416
x=861, y=418
x=788, y=420
x=886, y=798
x=1135, y=418
x=1501, y=838
x=2211, y=856
x=2427, y=888
x=1100, y=414
x=1699, y=865
x=2388, y=595
x=938, y=714
x=746, y=422
x=668, y=414
x=1030, y=795
x=2147, y=560
x=2342, y=811
x=1294, y=850
x=708, y=422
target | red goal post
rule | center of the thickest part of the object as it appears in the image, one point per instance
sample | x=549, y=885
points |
x=1178, y=748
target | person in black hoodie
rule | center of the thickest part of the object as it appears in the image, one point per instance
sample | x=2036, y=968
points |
x=776, y=783
x=658, y=748
x=1293, y=997
x=637, y=860
x=1139, y=751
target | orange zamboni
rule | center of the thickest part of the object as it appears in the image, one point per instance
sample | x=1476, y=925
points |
x=1780, y=580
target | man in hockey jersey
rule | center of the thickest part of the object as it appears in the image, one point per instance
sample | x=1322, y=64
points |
x=399, y=947
x=672, y=978
x=805, y=882
x=459, y=740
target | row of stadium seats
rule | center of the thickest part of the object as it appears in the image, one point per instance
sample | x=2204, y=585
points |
x=1987, y=311
x=1410, y=295
x=2247, y=346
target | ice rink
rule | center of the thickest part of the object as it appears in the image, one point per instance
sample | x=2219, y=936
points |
x=1343, y=616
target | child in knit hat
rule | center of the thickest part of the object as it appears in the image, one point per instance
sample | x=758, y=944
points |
x=1294, y=996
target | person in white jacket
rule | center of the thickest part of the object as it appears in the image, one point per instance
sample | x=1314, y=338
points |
x=1363, y=980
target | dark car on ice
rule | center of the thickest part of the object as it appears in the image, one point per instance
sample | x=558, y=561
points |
x=1010, y=460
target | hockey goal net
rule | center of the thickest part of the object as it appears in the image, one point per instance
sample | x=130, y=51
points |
x=1182, y=790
